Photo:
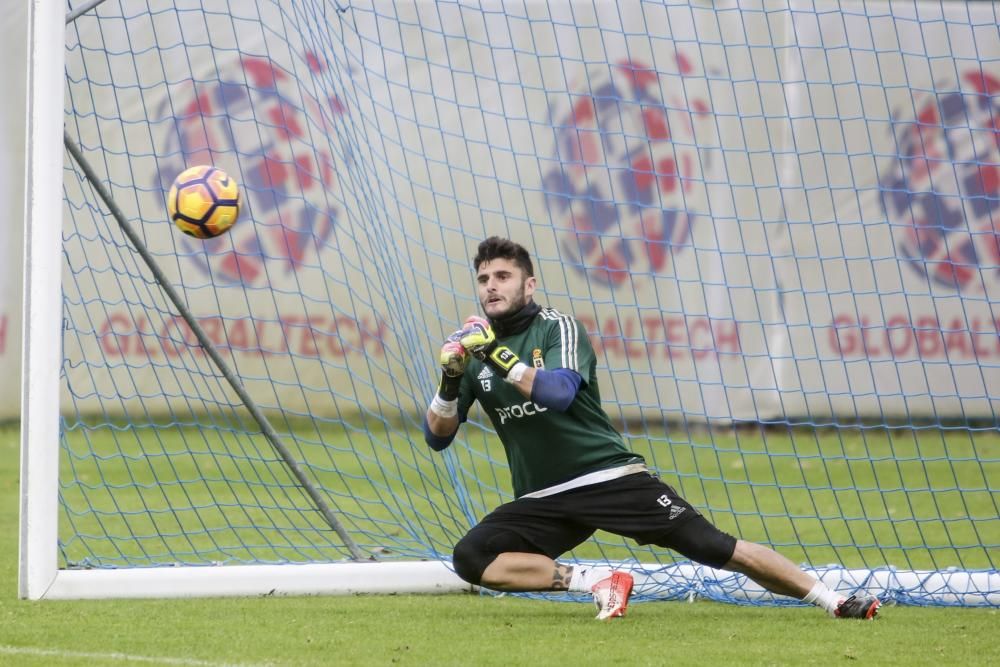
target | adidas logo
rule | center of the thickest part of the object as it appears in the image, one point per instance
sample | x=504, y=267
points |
x=675, y=511
x=485, y=374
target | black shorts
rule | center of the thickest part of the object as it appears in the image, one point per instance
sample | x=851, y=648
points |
x=638, y=506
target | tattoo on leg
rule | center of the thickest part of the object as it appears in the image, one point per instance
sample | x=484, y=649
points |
x=561, y=576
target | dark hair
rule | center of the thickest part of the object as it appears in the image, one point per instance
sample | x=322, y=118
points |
x=497, y=248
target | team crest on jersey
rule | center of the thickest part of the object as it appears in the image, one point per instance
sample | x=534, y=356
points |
x=485, y=378
x=536, y=358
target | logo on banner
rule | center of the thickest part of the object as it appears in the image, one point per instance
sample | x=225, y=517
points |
x=942, y=192
x=628, y=179
x=261, y=128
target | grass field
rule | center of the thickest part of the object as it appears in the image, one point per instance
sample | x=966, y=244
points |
x=480, y=630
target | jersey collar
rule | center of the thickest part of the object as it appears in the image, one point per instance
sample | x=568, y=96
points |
x=515, y=323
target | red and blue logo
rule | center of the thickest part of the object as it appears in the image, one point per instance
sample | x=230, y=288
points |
x=627, y=183
x=269, y=134
x=941, y=192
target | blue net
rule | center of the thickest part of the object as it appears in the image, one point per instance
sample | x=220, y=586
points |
x=777, y=223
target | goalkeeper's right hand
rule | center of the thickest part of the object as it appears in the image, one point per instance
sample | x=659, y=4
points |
x=453, y=357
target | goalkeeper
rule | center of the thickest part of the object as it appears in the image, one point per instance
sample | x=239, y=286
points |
x=533, y=371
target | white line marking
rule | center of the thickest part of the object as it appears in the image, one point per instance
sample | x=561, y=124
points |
x=83, y=655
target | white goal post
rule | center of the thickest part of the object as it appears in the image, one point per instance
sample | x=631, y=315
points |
x=41, y=359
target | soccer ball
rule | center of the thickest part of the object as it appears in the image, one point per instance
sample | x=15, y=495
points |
x=204, y=201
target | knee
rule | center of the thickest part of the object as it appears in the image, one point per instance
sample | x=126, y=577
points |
x=470, y=560
x=480, y=547
x=703, y=543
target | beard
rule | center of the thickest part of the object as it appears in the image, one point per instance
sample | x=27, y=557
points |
x=515, y=304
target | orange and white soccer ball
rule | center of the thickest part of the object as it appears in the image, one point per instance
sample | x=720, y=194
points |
x=204, y=201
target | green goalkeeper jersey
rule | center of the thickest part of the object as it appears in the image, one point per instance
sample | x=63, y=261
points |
x=546, y=447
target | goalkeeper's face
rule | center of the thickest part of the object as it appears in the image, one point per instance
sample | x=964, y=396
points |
x=503, y=288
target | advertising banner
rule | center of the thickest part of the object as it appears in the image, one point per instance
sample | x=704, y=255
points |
x=748, y=233
x=891, y=279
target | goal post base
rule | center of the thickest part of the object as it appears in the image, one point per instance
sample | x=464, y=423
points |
x=673, y=582
x=257, y=580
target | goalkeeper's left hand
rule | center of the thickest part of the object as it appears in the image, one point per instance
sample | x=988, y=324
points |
x=478, y=338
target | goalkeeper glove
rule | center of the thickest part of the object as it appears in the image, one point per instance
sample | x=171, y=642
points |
x=478, y=338
x=453, y=359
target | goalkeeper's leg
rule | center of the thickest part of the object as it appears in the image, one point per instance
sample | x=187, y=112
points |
x=520, y=571
x=514, y=549
x=511, y=550
x=768, y=568
x=780, y=575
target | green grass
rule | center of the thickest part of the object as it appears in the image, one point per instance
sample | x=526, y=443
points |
x=478, y=630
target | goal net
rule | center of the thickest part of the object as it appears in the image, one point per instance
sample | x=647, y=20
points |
x=778, y=224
